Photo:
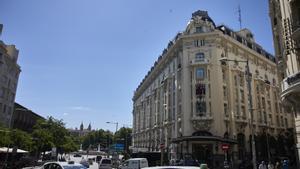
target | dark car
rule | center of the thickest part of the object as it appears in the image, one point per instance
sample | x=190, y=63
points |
x=77, y=155
x=187, y=161
x=98, y=158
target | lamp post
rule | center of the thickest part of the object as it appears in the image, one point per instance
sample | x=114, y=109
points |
x=116, y=123
x=249, y=103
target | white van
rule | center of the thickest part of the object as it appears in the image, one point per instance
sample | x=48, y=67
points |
x=135, y=163
x=105, y=163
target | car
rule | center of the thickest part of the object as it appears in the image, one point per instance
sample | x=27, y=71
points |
x=85, y=163
x=62, y=165
x=77, y=155
x=91, y=160
x=134, y=163
x=172, y=167
x=98, y=158
x=105, y=163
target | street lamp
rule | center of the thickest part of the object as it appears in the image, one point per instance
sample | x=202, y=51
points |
x=116, y=123
x=250, y=104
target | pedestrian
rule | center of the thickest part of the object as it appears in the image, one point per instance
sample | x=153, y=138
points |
x=262, y=165
x=277, y=165
x=285, y=164
x=270, y=165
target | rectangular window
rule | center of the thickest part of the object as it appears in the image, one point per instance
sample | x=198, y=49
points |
x=199, y=29
x=242, y=80
x=199, y=42
x=209, y=91
x=200, y=73
x=237, y=109
x=200, y=107
x=210, y=109
x=225, y=109
x=242, y=95
x=265, y=117
x=225, y=92
x=243, y=112
x=199, y=57
x=286, y=122
x=271, y=119
x=224, y=75
x=235, y=80
x=200, y=89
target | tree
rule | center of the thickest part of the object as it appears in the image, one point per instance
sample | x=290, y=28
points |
x=5, y=137
x=124, y=134
x=21, y=139
x=94, y=138
x=52, y=133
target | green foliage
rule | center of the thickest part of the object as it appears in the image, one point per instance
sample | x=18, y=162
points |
x=91, y=140
x=21, y=139
x=5, y=137
x=15, y=137
x=52, y=133
x=123, y=136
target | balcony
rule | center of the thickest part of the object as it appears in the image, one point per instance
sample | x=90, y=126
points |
x=199, y=62
x=290, y=87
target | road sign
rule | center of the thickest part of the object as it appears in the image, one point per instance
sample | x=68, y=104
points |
x=225, y=147
x=162, y=146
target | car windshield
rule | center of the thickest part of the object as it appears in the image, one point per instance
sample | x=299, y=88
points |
x=74, y=167
x=106, y=161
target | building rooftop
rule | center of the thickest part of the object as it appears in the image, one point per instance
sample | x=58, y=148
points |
x=243, y=36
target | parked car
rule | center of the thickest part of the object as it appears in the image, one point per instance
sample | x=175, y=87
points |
x=172, y=167
x=135, y=163
x=85, y=163
x=98, y=158
x=77, y=155
x=91, y=160
x=62, y=165
x=105, y=163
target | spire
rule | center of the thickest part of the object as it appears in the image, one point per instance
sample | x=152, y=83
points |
x=81, y=126
x=89, y=127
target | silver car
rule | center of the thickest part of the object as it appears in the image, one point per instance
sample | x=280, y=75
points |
x=62, y=165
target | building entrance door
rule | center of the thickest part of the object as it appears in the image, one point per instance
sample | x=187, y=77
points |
x=203, y=153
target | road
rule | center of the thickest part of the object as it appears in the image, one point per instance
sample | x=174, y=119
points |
x=78, y=159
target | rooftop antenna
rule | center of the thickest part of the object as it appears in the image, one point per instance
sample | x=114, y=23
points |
x=240, y=16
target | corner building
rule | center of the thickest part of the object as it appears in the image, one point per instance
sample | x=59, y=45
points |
x=285, y=20
x=191, y=103
x=9, y=76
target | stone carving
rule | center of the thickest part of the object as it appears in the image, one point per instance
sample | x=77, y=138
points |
x=201, y=124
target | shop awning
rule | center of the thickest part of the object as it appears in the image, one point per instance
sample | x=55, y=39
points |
x=4, y=150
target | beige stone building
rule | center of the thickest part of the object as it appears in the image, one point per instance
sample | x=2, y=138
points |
x=285, y=19
x=191, y=103
x=9, y=75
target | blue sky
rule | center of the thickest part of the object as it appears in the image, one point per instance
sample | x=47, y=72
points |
x=81, y=60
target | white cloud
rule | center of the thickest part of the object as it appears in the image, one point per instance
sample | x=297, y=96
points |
x=81, y=108
x=65, y=114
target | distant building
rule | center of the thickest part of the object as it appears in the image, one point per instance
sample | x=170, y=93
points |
x=285, y=19
x=24, y=119
x=191, y=103
x=9, y=75
x=81, y=131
